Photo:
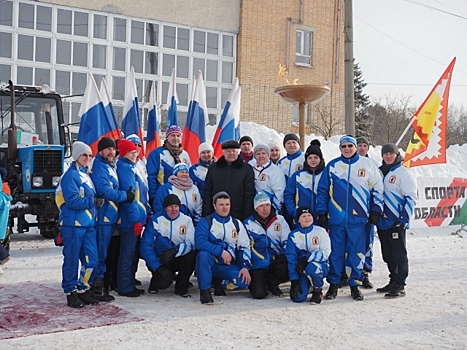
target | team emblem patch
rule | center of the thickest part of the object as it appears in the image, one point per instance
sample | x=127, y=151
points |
x=392, y=179
x=234, y=234
x=277, y=226
x=361, y=172
x=298, y=167
x=182, y=230
x=194, y=197
x=262, y=177
x=315, y=240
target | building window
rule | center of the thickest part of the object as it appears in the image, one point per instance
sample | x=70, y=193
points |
x=303, y=44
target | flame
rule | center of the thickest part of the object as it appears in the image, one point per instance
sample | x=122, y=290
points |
x=283, y=76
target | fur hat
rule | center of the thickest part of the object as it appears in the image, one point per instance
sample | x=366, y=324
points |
x=171, y=199
x=303, y=210
x=205, y=146
x=79, y=148
x=261, y=146
x=220, y=194
x=261, y=198
x=179, y=167
x=389, y=147
x=104, y=143
x=362, y=139
x=230, y=144
x=289, y=137
x=125, y=146
x=314, y=148
x=348, y=138
x=173, y=129
x=135, y=139
x=246, y=138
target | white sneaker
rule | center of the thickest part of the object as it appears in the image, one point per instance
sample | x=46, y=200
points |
x=1, y=271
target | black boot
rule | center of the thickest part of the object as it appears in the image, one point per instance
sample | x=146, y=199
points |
x=356, y=294
x=344, y=282
x=396, y=292
x=218, y=290
x=206, y=297
x=387, y=288
x=88, y=297
x=100, y=293
x=366, y=283
x=73, y=300
x=332, y=292
x=316, y=296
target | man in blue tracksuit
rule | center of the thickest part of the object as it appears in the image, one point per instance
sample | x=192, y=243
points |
x=308, y=248
x=400, y=196
x=168, y=246
x=104, y=177
x=224, y=251
x=268, y=233
x=132, y=217
x=350, y=191
x=76, y=199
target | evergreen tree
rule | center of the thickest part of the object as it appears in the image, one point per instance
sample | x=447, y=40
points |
x=363, y=121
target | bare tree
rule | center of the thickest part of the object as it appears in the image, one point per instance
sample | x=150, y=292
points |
x=326, y=121
x=456, y=132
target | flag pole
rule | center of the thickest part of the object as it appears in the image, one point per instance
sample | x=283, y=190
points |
x=406, y=129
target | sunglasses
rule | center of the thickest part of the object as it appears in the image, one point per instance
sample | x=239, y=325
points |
x=87, y=155
x=347, y=146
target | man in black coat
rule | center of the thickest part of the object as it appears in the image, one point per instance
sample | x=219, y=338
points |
x=232, y=175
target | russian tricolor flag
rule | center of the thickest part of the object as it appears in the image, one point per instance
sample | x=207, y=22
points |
x=131, y=122
x=230, y=119
x=95, y=122
x=194, y=133
x=172, y=101
x=153, y=138
x=104, y=91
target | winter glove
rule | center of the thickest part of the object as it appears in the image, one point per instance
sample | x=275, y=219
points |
x=58, y=240
x=98, y=201
x=323, y=220
x=374, y=218
x=399, y=226
x=301, y=265
x=130, y=196
x=167, y=255
x=295, y=290
x=137, y=228
x=165, y=273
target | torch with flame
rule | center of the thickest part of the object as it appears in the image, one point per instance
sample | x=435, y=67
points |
x=283, y=76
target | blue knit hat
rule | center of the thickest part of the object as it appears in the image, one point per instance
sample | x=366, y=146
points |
x=180, y=167
x=135, y=139
x=348, y=138
x=261, y=198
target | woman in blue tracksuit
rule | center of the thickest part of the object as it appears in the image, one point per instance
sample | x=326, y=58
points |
x=199, y=170
x=76, y=199
x=132, y=218
x=307, y=251
x=302, y=187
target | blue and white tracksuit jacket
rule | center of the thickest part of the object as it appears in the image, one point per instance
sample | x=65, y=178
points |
x=74, y=197
x=349, y=190
x=5, y=205
x=160, y=165
x=130, y=213
x=198, y=174
x=162, y=234
x=314, y=244
x=191, y=201
x=266, y=244
x=291, y=163
x=302, y=190
x=400, y=196
x=269, y=179
x=104, y=177
x=211, y=242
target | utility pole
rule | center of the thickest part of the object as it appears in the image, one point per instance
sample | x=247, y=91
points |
x=348, y=69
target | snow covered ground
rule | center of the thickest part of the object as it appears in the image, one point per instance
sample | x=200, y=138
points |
x=431, y=316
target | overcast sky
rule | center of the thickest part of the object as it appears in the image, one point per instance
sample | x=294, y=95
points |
x=405, y=42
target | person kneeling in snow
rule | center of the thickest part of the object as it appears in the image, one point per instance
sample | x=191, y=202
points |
x=268, y=233
x=167, y=247
x=307, y=251
x=224, y=251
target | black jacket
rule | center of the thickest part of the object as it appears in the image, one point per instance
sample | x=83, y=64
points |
x=237, y=179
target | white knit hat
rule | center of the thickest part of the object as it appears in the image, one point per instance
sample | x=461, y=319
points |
x=79, y=148
x=205, y=146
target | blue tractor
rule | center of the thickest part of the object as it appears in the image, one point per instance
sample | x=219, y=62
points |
x=33, y=144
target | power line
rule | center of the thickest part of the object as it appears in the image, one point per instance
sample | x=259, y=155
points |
x=410, y=84
x=439, y=2
x=436, y=9
x=406, y=46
